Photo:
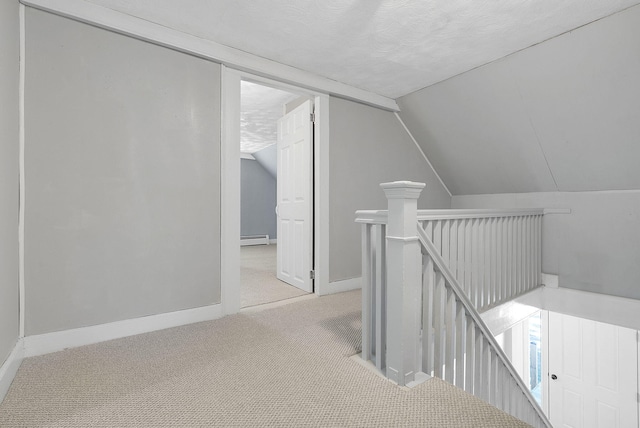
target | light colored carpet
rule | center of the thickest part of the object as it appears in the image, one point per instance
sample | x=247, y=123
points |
x=282, y=367
x=258, y=282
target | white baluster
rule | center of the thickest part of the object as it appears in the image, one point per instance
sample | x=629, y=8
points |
x=380, y=297
x=500, y=292
x=460, y=257
x=478, y=370
x=460, y=343
x=467, y=258
x=487, y=262
x=428, y=285
x=486, y=366
x=450, y=347
x=367, y=285
x=493, y=253
x=453, y=248
x=439, y=333
x=495, y=380
x=469, y=355
x=475, y=260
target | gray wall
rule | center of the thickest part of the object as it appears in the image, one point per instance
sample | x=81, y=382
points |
x=122, y=171
x=268, y=159
x=257, y=200
x=368, y=147
x=9, y=186
x=559, y=116
x=595, y=248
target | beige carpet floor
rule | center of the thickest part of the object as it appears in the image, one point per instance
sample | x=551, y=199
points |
x=282, y=367
x=258, y=282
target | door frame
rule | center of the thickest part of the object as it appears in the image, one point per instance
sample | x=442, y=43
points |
x=230, y=185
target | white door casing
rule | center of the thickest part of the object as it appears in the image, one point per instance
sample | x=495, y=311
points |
x=294, y=197
x=596, y=369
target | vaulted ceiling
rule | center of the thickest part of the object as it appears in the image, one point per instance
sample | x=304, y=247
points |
x=389, y=47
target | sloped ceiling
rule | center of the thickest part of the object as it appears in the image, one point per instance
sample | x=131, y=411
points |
x=390, y=47
x=563, y=115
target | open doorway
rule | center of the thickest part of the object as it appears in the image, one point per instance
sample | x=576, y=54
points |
x=270, y=237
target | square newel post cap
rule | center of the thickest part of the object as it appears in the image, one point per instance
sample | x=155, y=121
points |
x=402, y=189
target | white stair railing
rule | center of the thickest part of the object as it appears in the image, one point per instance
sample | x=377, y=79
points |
x=417, y=317
x=495, y=255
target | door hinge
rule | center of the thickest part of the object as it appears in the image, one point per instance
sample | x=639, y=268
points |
x=312, y=274
x=313, y=118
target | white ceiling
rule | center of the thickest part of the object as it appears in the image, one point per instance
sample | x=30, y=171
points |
x=260, y=109
x=390, y=47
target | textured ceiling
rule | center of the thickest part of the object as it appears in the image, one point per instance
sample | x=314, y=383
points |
x=390, y=47
x=261, y=107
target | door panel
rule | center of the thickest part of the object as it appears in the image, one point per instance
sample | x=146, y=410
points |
x=294, y=198
x=596, y=366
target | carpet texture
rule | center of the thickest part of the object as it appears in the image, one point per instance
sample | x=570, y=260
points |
x=258, y=280
x=282, y=367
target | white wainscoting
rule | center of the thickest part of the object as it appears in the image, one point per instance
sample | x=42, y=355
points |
x=60, y=340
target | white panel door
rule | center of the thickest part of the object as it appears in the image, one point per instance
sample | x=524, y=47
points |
x=294, y=210
x=596, y=370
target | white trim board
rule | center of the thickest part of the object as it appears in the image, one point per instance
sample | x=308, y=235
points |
x=141, y=29
x=230, y=187
x=422, y=152
x=21, y=141
x=230, y=191
x=53, y=342
x=343, y=285
x=594, y=306
x=10, y=367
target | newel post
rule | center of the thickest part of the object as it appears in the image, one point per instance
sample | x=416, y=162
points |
x=403, y=280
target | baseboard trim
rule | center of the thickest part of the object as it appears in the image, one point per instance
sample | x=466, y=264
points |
x=53, y=342
x=10, y=367
x=344, y=285
x=255, y=240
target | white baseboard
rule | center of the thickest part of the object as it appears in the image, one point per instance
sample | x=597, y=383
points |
x=60, y=340
x=344, y=285
x=10, y=367
x=255, y=240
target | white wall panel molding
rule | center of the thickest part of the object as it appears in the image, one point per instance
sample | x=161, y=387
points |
x=21, y=171
x=422, y=152
x=122, y=23
x=230, y=192
x=53, y=342
x=321, y=213
x=10, y=367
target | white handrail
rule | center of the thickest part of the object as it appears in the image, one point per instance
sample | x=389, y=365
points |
x=380, y=216
x=495, y=254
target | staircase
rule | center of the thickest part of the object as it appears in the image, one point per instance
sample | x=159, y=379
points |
x=427, y=275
